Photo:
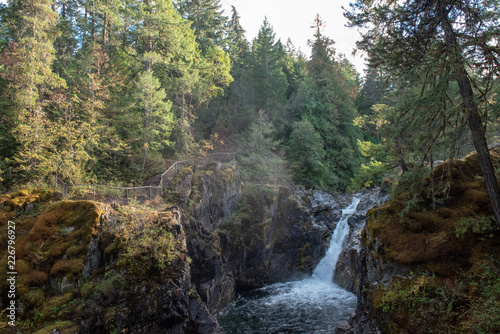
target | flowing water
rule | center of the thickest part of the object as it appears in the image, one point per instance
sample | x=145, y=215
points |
x=313, y=305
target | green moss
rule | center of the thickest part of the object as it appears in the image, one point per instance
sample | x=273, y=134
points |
x=58, y=301
x=112, y=284
x=109, y=317
x=76, y=250
x=460, y=289
x=65, y=327
x=34, y=298
x=87, y=289
x=18, y=200
x=67, y=266
x=56, y=307
x=111, y=248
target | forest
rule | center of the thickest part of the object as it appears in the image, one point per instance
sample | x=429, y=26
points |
x=110, y=91
x=113, y=92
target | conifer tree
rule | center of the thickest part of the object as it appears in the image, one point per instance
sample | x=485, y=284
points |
x=208, y=22
x=260, y=157
x=451, y=39
x=31, y=84
x=269, y=81
x=158, y=120
x=306, y=155
x=226, y=116
x=238, y=45
x=327, y=101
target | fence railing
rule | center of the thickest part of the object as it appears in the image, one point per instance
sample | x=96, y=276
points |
x=173, y=170
x=105, y=193
x=123, y=195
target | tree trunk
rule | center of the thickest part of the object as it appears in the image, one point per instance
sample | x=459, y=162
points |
x=475, y=122
x=478, y=131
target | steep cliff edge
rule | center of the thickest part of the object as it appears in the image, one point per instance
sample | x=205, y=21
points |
x=347, y=271
x=279, y=234
x=83, y=267
x=244, y=237
x=430, y=271
x=211, y=194
x=166, y=266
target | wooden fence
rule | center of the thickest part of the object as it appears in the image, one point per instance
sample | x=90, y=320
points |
x=105, y=193
x=179, y=165
x=123, y=195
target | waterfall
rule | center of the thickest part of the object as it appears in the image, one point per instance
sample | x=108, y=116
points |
x=325, y=268
x=313, y=305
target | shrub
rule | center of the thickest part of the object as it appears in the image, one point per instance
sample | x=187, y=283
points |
x=477, y=225
x=149, y=245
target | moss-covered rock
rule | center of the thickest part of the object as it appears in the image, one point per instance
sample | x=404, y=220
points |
x=428, y=271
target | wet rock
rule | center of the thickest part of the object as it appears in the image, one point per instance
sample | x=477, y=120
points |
x=348, y=270
x=94, y=256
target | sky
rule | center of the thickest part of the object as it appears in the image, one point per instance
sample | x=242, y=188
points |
x=293, y=19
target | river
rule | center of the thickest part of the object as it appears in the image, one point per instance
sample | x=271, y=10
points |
x=313, y=305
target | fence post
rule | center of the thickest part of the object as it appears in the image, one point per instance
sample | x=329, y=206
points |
x=94, y=192
x=127, y=196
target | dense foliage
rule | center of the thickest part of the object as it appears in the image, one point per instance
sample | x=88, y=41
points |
x=440, y=60
x=106, y=91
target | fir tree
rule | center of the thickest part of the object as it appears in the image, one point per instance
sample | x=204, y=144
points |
x=209, y=23
x=443, y=38
x=158, y=120
x=306, y=155
x=327, y=101
x=269, y=81
x=31, y=84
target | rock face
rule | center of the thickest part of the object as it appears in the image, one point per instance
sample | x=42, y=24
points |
x=152, y=305
x=348, y=272
x=358, y=265
x=239, y=241
x=242, y=241
x=418, y=260
x=221, y=240
x=282, y=239
x=218, y=190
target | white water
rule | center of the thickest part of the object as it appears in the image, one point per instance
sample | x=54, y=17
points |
x=324, y=269
x=313, y=305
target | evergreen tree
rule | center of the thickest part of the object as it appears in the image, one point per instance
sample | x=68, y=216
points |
x=66, y=43
x=269, y=81
x=238, y=45
x=260, y=158
x=306, y=155
x=189, y=78
x=326, y=99
x=209, y=22
x=31, y=84
x=444, y=38
x=158, y=120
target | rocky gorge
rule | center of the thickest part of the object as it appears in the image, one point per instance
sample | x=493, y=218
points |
x=172, y=265
x=427, y=264
x=169, y=266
